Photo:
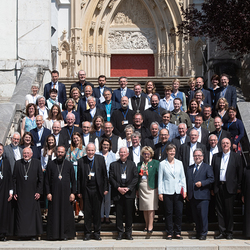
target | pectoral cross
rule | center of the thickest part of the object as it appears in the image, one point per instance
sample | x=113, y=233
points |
x=26, y=177
x=89, y=176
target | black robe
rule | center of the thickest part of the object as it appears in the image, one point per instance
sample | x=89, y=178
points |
x=246, y=193
x=28, y=220
x=61, y=223
x=6, y=185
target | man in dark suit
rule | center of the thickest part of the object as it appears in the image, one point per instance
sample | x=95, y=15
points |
x=99, y=91
x=87, y=137
x=154, y=113
x=227, y=91
x=13, y=152
x=182, y=138
x=39, y=133
x=160, y=148
x=203, y=133
x=219, y=132
x=212, y=147
x=172, y=128
x=199, y=85
x=108, y=105
x=93, y=111
x=228, y=172
x=135, y=149
x=60, y=87
x=56, y=128
x=68, y=130
x=122, y=117
x=199, y=176
x=187, y=149
x=123, y=177
x=82, y=83
x=92, y=182
x=123, y=90
x=153, y=139
x=138, y=103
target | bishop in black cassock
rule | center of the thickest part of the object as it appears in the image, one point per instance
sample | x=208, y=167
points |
x=60, y=185
x=28, y=186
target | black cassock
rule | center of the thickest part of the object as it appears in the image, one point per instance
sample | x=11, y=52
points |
x=6, y=185
x=28, y=220
x=246, y=193
x=61, y=222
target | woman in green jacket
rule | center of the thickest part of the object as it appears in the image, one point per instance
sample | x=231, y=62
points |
x=147, y=187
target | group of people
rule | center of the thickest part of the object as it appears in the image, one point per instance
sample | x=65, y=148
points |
x=100, y=145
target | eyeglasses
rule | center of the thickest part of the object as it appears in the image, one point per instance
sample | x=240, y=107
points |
x=198, y=155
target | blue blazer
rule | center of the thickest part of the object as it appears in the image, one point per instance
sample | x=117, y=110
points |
x=96, y=91
x=173, y=130
x=205, y=175
x=169, y=183
x=117, y=94
x=34, y=133
x=207, y=95
x=61, y=92
x=230, y=95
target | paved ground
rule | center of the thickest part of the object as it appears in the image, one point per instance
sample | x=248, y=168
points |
x=146, y=244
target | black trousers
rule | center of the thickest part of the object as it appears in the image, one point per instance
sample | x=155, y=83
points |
x=124, y=205
x=173, y=204
x=92, y=207
x=224, y=208
x=200, y=215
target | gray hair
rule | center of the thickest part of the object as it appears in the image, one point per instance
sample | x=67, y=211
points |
x=155, y=123
x=124, y=147
x=199, y=149
x=209, y=137
x=91, y=97
x=16, y=133
x=129, y=126
x=40, y=97
x=69, y=115
x=122, y=78
x=136, y=134
x=91, y=143
x=183, y=124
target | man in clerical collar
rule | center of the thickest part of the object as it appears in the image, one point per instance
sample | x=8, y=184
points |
x=87, y=137
x=208, y=121
x=139, y=126
x=28, y=186
x=160, y=148
x=213, y=147
x=135, y=149
x=138, y=103
x=154, y=137
x=12, y=151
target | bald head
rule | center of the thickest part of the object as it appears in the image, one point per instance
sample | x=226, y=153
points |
x=27, y=153
x=226, y=145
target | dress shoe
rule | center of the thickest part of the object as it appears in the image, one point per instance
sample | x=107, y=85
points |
x=195, y=237
x=229, y=237
x=219, y=237
x=178, y=237
x=97, y=237
x=169, y=237
x=3, y=239
x=145, y=229
x=119, y=237
x=150, y=231
x=203, y=237
x=129, y=237
x=87, y=237
x=33, y=238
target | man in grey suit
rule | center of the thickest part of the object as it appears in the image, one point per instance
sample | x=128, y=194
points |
x=13, y=152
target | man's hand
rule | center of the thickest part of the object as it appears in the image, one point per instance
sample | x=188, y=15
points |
x=198, y=184
x=184, y=195
x=49, y=197
x=106, y=192
x=160, y=197
x=10, y=197
x=71, y=197
x=122, y=190
x=37, y=196
x=15, y=197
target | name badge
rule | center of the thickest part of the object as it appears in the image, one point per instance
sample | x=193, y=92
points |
x=144, y=177
x=39, y=144
x=69, y=141
x=124, y=176
x=108, y=115
x=75, y=163
x=82, y=93
x=125, y=122
x=101, y=99
x=92, y=174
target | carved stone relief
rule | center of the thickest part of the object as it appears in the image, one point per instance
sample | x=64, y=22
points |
x=132, y=12
x=111, y=4
x=100, y=4
x=132, y=40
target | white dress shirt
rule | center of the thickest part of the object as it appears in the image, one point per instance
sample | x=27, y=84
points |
x=191, y=156
x=213, y=151
x=136, y=154
x=223, y=166
x=199, y=130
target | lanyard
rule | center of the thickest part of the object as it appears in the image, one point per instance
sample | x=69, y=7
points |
x=162, y=149
x=208, y=123
x=91, y=165
x=158, y=112
x=219, y=134
x=124, y=115
x=124, y=169
x=70, y=134
x=1, y=163
x=223, y=92
x=108, y=107
x=228, y=125
x=98, y=133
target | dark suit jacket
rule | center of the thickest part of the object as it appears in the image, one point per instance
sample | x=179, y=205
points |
x=177, y=142
x=92, y=138
x=80, y=87
x=204, y=135
x=9, y=154
x=184, y=155
x=116, y=96
x=131, y=157
x=205, y=175
x=173, y=130
x=149, y=141
x=100, y=174
x=230, y=95
x=66, y=136
x=233, y=174
x=206, y=94
x=152, y=115
x=160, y=150
x=115, y=172
x=96, y=91
x=224, y=134
x=143, y=103
x=87, y=116
x=61, y=91
x=114, y=106
x=34, y=133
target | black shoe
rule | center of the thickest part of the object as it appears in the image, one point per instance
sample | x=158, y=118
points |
x=219, y=237
x=145, y=229
x=119, y=237
x=178, y=237
x=195, y=237
x=129, y=237
x=229, y=237
x=87, y=237
x=97, y=237
x=3, y=239
x=65, y=239
x=169, y=237
x=33, y=238
x=150, y=231
x=203, y=237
